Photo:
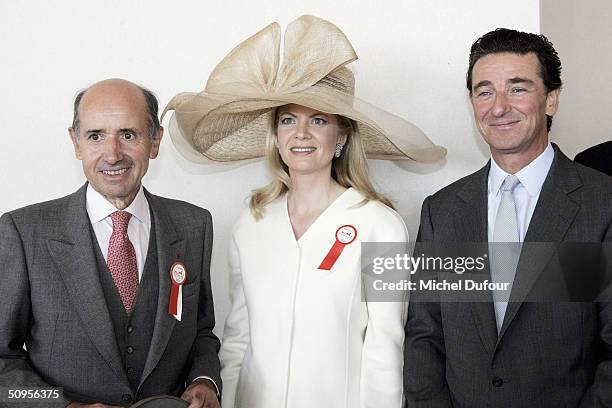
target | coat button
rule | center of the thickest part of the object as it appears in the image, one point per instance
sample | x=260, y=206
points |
x=130, y=349
x=130, y=370
x=127, y=397
x=130, y=329
x=497, y=382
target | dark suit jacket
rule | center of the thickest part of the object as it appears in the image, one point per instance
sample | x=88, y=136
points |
x=547, y=354
x=52, y=301
x=598, y=157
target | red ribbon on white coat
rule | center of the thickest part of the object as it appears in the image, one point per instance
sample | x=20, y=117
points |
x=345, y=235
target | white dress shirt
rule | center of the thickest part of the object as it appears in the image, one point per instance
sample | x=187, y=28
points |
x=99, y=210
x=526, y=193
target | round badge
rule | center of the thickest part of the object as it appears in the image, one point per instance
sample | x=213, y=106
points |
x=346, y=234
x=178, y=273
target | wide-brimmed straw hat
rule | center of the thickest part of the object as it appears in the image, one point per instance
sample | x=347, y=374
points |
x=230, y=120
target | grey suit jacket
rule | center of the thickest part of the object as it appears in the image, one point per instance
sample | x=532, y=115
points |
x=52, y=301
x=547, y=354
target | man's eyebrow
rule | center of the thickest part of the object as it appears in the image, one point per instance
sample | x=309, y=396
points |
x=485, y=82
x=519, y=80
x=515, y=80
x=90, y=131
x=126, y=130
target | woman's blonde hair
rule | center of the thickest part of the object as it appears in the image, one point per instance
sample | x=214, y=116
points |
x=349, y=170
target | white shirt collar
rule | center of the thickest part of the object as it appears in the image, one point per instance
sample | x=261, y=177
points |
x=98, y=207
x=531, y=176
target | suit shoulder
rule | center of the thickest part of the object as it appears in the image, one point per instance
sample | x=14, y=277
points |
x=594, y=178
x=596, y=188
x=181, y=206
x=449, y=192
x=46, y=209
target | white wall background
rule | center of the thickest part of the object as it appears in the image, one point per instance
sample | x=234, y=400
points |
x=582, y=34
x=413, y=56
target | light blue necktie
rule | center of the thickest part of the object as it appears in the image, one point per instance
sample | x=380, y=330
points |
x=505, y=251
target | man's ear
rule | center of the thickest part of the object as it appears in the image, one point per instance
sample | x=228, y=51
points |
x=552, y=101
x=75, y=142
x=157, y=138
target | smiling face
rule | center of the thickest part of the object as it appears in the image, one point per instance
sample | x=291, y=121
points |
x=113, y=141
x=307, y=139
x=510, y=105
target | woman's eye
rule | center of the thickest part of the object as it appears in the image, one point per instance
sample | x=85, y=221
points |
x=319, y=121
x=287, y=121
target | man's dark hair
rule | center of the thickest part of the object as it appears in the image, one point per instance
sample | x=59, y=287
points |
x=504, y=40
x=150, y=100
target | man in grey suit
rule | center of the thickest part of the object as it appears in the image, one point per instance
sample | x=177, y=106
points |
x=514, y=353
x=109, y=288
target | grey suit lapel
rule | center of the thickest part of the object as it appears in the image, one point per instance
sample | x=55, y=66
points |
x=553, y=215
x=72, y=250
x=170, y=247
x=471, y=226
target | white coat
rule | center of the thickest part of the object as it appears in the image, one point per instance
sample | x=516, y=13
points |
x=298, y=336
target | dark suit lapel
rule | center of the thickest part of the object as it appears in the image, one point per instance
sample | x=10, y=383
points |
x=170, y=247
x=72, y=250
x=471, y=223
x=552, y=217
x=471, y=214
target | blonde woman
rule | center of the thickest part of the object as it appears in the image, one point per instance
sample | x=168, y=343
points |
x=298, y=333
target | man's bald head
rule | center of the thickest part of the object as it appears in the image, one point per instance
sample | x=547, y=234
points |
x=148, y=99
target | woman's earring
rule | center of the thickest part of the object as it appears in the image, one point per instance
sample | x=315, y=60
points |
x=338, y=149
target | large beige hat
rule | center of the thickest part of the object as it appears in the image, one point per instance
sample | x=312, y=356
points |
x=230, y=119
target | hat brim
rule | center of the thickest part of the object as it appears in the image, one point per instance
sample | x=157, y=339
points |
x=214, y=128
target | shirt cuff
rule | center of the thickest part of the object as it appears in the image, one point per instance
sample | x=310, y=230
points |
x=212, y=381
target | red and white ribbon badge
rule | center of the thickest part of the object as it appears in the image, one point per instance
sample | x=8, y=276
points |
x=178, y=276
x=344, y=236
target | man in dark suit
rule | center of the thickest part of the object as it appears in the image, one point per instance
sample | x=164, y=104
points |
x=510, y=353
x=598, y=157
x=109, y=288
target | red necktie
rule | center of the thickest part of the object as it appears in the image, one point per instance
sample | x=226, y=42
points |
x=121, y=260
